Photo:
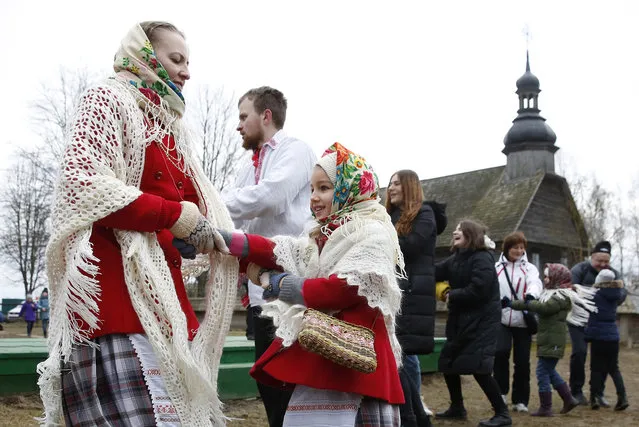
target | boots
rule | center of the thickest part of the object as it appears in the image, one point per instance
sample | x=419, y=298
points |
x=501, y=419
x=570, y=402
x=456, y=411
x=580, y=398
x=597, y=402
x=545, y=405
x=622, y=402
x=622, y=399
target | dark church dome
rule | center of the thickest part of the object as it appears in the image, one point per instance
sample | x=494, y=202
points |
x=529, y=127
x=528, y=82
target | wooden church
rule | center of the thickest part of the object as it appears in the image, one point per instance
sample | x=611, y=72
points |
x=526, y=194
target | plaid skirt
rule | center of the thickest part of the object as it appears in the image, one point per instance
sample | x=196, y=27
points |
x=105, y=386
x=377, y=413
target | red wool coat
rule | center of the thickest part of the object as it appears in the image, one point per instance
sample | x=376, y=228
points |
x=284, y=367
x=155, y=211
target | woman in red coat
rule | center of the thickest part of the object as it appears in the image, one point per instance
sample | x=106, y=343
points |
x=344, y=267
x=125, y=347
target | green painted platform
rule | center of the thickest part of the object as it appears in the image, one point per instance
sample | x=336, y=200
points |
x=20, y=356
x=428, y=362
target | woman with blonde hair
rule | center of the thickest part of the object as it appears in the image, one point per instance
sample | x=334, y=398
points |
x=125, y=347
x=416, y=228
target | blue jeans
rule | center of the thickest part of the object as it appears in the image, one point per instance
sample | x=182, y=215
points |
x=547, y=374
x=413, y=370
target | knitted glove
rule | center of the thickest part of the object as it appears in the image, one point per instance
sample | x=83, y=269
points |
x=506, y=302
x=291, y=289
x=196, y=230
x=187, y=251
x=236, y=242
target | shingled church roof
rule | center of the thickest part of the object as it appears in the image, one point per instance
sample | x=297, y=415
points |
x=502, y=205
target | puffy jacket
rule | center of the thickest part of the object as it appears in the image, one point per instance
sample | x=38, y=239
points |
x=28, y=311
x=602, y=325
x=473, y=312
x=524, y=277
x=415, y=326
x=551, y=335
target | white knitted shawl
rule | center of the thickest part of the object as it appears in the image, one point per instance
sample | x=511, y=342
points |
x=101, y=174
x=364, y=251
x=581, y=299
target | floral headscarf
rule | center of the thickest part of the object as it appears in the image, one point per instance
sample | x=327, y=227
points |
x=136, y=60
x=559, y=277
x=355, y=183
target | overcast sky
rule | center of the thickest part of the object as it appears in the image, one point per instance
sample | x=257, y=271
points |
x=424, y=85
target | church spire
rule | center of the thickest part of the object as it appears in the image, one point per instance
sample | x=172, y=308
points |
x=530, y=142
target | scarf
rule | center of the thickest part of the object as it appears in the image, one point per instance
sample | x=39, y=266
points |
x=355, y=184
x=101, y=175
x=137, y=62
x=360, y=246
x=560, y=285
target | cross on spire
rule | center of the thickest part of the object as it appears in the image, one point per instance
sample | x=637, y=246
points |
x=527, y=34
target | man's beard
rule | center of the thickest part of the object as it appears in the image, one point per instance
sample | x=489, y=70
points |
x=253, y=142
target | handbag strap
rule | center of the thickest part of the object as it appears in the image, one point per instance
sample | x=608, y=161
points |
x=509, y=282
x=375, y=319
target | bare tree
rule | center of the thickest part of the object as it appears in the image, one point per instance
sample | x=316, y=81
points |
x=54, y=108
x=215, y=115
x=620, y=233
x=26, y=198
x=593, y=202
x=632, y=226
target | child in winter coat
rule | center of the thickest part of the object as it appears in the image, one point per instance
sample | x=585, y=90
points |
x=603, y=335
x=553, y=307
x=28, y=311
x=346, y=267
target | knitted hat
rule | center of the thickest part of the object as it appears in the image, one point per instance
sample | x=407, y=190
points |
x=603, y=247
x=605, y=275
x=329, y=163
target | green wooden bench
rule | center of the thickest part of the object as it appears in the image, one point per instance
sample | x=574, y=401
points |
x=20, y=356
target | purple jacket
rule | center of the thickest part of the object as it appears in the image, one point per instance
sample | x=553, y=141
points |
x=29, y=310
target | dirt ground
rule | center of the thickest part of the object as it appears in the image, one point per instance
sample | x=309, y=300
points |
x=19, y=410
x=18, y=329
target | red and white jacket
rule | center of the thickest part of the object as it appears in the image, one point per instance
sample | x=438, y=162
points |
x=525, y=279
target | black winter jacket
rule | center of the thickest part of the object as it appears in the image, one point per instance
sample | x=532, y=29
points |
x=415, y=326
x=585, y=274
x=474, y=312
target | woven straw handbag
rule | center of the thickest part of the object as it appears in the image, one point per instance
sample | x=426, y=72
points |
x=344, y=343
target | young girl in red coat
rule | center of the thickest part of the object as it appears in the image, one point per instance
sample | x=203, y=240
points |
x=344, y=267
